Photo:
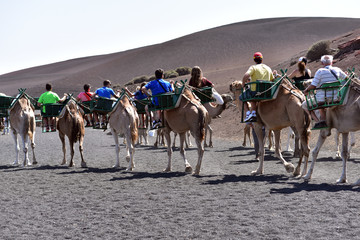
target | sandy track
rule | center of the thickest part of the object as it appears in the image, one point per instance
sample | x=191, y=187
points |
x=49, y=201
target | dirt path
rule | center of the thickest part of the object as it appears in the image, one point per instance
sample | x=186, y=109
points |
x=49, y=201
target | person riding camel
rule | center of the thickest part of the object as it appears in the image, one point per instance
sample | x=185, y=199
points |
x=326, y=74
x=259, y=71
x=198, y=81
x=157, y=86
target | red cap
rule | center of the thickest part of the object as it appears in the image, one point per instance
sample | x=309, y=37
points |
x=258, y=55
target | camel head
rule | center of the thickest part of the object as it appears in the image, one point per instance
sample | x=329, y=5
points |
x=227, y=98
x=235, y=86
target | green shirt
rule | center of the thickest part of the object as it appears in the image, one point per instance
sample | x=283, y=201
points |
x=48, y=97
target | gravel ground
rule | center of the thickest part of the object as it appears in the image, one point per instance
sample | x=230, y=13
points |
x=49, y=201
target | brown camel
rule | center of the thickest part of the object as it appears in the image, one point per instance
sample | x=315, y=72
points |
x=344, y=118
x=71, y=124
x=190, y=115
x=236, y=89
x=124, y=120
x=22, y=121
x=284, y=111
x=215, y=111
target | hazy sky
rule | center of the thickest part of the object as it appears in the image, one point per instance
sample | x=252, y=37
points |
x=37, y=32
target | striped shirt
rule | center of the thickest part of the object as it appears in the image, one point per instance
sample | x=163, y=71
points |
x=324, y=75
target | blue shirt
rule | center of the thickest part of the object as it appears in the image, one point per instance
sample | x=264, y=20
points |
x=156, y=88
x=105, y=92
x=139, y=95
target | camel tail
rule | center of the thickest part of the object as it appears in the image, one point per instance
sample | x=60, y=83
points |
x=133, y=125
x=202, y=121
x=76, y=129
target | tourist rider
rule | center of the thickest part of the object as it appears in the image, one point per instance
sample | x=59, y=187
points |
x=259, y=71
x=198, y=81
x=301, y=73
x=49, y=97
x=105, y=92
x=85, y=97
x=157, y=86
x=326, y=74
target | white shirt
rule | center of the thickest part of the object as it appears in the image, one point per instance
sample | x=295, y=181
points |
x=324, y=75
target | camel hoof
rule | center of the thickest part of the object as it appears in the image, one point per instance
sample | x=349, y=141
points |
x=342, y=180
x=167, y=170
x=15, y=163
x=244, y=145
x=196, y=173
x=129, y=169
x=188, y=169
x=34, y=162
x=205, y=145
x=357, y=183
x=307, y=178
x=116, y=166
x=83, y=165
x=296, y=173
x=289, y=168
x=257, y=172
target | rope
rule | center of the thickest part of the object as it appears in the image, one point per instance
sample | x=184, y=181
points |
x=197, y=90
x=259, y=93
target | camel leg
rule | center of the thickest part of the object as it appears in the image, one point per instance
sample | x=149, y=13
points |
x=246, y=133
x=188, y=167
x=130, y=151
x=270, y=135
x=352, y=143
x=117, y=148
x=336, y=138
x=189, y=141
x=314, y=153
x=205, y=141
x=72, y=151
x=344, y=156
x=290, y=136
x=169, y=150
x=211, y=133
x=260, y=137
x=200, y=156
x=17, y=148
x=33, y=148
x=81, y=150
x=25, y=140
x=62, y=138
x=296, y=144
x=173, y=145
x=288, y=166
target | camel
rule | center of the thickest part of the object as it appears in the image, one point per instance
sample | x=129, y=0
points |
x=344, y=118
x=22, y=122
x=236, y=89
x=215, y=111
x=284, y=111
x=71, y=124
x=189, y=115
x=124, y=120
